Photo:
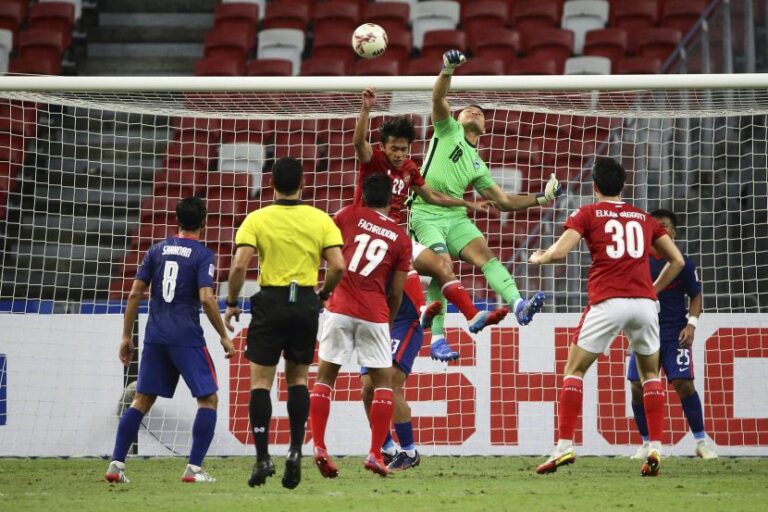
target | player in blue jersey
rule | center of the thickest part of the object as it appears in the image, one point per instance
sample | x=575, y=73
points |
x=407, y=336
x=181, y=271
x=677, y=325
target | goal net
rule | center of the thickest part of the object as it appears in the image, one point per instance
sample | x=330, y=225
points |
x=90, y=173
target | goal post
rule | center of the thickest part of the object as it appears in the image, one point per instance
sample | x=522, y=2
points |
x=91, y=169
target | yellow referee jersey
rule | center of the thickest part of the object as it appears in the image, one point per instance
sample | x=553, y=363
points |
x=289, y=238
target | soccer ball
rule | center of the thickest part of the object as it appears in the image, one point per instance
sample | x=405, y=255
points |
x=369, y=40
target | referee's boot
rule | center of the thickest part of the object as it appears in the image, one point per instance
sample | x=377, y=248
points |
x=263, y=469
x=292, y=474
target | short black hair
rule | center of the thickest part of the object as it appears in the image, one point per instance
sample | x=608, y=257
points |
x=397, y=128
x=377, y=190
x=286, y=175
x=191, y=213
x=662, y=213
x=608, y=176
x=475, y=105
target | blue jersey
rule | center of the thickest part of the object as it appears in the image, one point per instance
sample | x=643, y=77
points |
x=674, y=310
x=176, y=268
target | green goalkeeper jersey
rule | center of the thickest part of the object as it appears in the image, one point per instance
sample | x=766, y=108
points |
x=451, y=166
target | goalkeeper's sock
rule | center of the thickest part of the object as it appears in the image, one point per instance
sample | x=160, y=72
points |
x=202, y=434
x=693, y=413
x=405, y=435
x=260, y=413
x=382, y=407
x=127, y=430
x=319, y=409
x=501, y=281
x=653, y=400
x=434, y=294
x=457, y=295
x=642, y=424
x=569, y=408
x=298, y=411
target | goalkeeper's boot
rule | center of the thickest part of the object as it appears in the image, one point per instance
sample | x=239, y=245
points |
x=441, y=351
x=429, y=314
x=705, y=450
x=558, y=458
x=263, y=469
x=116, y=473
x=376, y=465
x=196, y=474
x=292, y=474
x=403, y=461
x=527, y=308
x=642, y=452
x=486, y=318
x=323, y=462
x=652, y=464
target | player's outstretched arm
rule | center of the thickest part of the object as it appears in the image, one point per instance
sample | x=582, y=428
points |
x=557, y=251
x=211, y=308
x=440, y=199
x=665, y=247
x=395, y=297
x=440, y=108
x=506, y=202
x=131, y=312
x=335, y=264
x=237, y=272
x=363, y=149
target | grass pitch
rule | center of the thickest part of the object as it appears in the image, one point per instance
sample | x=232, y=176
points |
x=440, y=483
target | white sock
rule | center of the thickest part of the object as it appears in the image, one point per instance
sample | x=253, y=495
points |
x=194, y=468
x=655, y=445
x=435, y=339
x=120, y=465
x=563, y=445
x=410, y=453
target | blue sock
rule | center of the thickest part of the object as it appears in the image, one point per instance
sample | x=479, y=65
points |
x=692, y=409
x=127, y=430
x=405, y=435
x=389, y=443
x=202, y=434
x=640, y=421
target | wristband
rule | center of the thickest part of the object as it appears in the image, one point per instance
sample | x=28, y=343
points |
x=232, y=304
x=323, y=295
x=693, y=320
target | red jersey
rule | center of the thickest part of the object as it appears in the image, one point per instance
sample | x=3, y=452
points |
x=619, y=237
x=403, y=178
x=374, y=247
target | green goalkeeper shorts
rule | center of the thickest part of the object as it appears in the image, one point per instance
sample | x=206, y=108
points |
x=444, y=234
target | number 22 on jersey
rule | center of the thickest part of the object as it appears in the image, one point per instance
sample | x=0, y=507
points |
x=374, y=251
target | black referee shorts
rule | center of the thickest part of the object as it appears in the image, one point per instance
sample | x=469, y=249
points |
x=278, y=326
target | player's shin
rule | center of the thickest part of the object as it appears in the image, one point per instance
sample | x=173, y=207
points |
x=434, y=294
x=638, y=410
x=260, y=413
x=569, y=408
x=457, y=295
x=202, y=434
x=653, y=401
x=298, y=411
x=319, y=409
x=127, y=431
x=501, y=281
x=381, y=417
x=693, y=413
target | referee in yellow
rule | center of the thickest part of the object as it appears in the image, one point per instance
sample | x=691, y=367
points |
x=290, y=239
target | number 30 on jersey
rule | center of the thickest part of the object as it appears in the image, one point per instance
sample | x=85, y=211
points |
x=627, y=239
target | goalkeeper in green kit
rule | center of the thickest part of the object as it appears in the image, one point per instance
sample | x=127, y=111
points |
x=451, y=166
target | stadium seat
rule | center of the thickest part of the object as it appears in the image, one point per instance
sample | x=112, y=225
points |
x=308, y=154
x=11, y=16
x=422, y=67
x=481, y=66
x=229, y=44
x=656, y=43
x=581, y=16
x=282, y=43
x=6, y=40
x=247, y=130
x=588, y=66
x=219, y=67
x=291, y=15
x=242, y=157
x=340, y=146
x=389, y=15
x=634, y=16
x=437, y=42
x=681, y=14
x=636, y=66
x=269, y=67
x=607, y=42
x=530, y=17
x=4, y=58
x=334, y=45
x=319, y=66
x=15, y=118
x=550, y=43
x=237, y=17
x=235, y=184
x=433, y=15
x=377, y=67
x=532, y=66
x=78, y=5
x=12, y=148
x=484, y=16
x=400, y=45
x=197, y=129
x=503, y=44
x=41, y=44
x=334, y=15
x=53, y=17
x=35, y=66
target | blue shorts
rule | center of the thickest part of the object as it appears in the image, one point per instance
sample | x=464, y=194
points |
x=161, y=365
x=407, y=338
x=676, y=361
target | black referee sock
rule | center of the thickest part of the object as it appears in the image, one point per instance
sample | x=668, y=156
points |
x=260, y=413
x=298, y=411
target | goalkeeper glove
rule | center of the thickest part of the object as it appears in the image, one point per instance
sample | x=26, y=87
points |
x=451, y=60
x=551, y=191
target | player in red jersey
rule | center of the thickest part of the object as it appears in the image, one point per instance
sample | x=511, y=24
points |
x=392, y=159
x=621, y=297
x=358, y=316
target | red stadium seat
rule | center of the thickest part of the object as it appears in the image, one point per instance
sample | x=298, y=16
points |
x=35, y=66
x=227, y=44
x=554, y=44
x=334, y=15
x=422, y=67
x=481, y=67
x=634, y=15
x=608, y=42
x=502, y=44
x=11, y=15
x=270, y=67
x=400, y=45
x=219, y=67
x=332, y=44
x=12, y=148
x=15, y=118
x=41, y=44
x=377, y=67
x=532, y=66
x=681, y=14
x=245, y=130
x=636, y=66
x=236, y=17
x=286, y=15
x=437, y=42
x=318, y=66
x=389, y=15
x=484, y=17
x=308, y=154
x=532, y=16
x=656, y=43
x=53, y=17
